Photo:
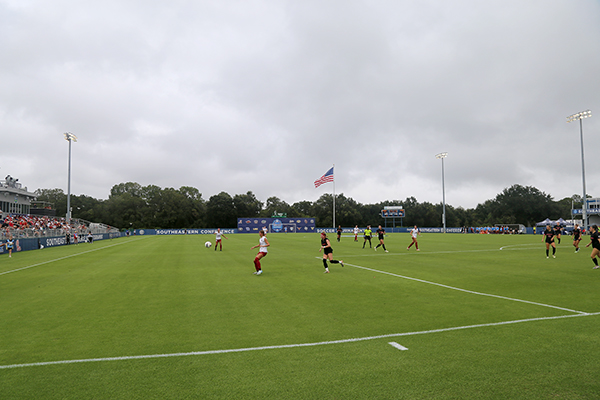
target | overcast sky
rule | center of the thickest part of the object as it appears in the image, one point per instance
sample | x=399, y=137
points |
x=265, y=96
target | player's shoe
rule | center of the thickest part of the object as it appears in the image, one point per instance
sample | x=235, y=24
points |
x=418, y=249
x=596, y=267
x=553, y=256
x=577, y=250
x=326, y=271
x=387, y=251
x=375, y=248
x=341, y=262
x=259, y=272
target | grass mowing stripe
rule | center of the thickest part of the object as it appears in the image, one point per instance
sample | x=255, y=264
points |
x=65, y=257
x=466, y=290
x=288, y=346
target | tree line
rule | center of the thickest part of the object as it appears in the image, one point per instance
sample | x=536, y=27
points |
x=131, y=205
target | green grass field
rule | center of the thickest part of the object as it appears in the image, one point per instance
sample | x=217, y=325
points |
x=162, y=317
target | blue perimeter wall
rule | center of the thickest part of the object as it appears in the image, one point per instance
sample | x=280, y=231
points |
x=317, y=230
x=36, y=243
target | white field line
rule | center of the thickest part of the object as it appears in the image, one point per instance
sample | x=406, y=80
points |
x=288, y=346
x=65, y=257
x=398, y=346
x=535, y=246
x=465, y=290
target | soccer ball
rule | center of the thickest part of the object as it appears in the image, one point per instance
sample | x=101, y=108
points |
x=41, y=246
x=207, y=244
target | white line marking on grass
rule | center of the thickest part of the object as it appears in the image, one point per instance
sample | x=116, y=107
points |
x=465, y=290
x=288, y=346
x=64, y=258
x=398, y=346
x=534, y=246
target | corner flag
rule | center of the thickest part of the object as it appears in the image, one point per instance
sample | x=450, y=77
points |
x=328, y=177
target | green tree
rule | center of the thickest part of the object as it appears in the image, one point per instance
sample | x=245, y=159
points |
x=220, y=211
x=523, y=205
x=56, y=197
x=275, y=205
x=135, y=189
x=301, y=209
x=247, y=205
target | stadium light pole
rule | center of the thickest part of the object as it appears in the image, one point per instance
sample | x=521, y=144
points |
x=442, y=156
x=580, y=116
x=69, y=137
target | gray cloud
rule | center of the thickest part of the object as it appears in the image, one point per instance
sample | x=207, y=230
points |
x=266, y=96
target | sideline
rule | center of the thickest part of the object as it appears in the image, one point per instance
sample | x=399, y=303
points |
x=65, y=257
x=288, y=346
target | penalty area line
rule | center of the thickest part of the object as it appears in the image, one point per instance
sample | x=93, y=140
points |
x=289, y=346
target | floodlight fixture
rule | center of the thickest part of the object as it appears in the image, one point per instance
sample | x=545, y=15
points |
x=70, y=137
x=579, y=117
x=441, y=156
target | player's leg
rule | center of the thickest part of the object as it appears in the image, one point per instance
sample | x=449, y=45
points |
x=332, y=261
x=595, y=253
x=257, y=264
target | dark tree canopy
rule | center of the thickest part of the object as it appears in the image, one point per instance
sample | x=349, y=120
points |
x=131, y=205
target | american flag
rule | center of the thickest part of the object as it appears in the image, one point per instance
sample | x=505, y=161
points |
x=328, y=177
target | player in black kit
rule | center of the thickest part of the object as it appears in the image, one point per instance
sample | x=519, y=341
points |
x=328, y=252
x=576, y=238
x=595, y=244
x=549, y=239
x=557, y=231
x=381, y=234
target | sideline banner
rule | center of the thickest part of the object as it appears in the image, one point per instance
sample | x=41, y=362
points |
x=284, y=225
x=181, y=231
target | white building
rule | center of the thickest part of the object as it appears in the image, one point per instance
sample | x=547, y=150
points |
x=14, y=199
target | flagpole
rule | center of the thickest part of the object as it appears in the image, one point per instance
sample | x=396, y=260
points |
x=333, y=196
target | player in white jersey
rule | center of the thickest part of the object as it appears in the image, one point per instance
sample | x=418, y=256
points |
x=414, y=233
x=263, y=243
x=356, y=232
x=218, y=236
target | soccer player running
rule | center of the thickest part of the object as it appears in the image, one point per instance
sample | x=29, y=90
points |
x=218, y=236
x=368, y=233
x=328, y=252
x=576, y=238
x=339, y=232
x=549, y=234
x=9, y=245
x=414, y=233
x=263, y=243
x=356, y=231
x=595, y=244
x=381, y=235
x=557, y=231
